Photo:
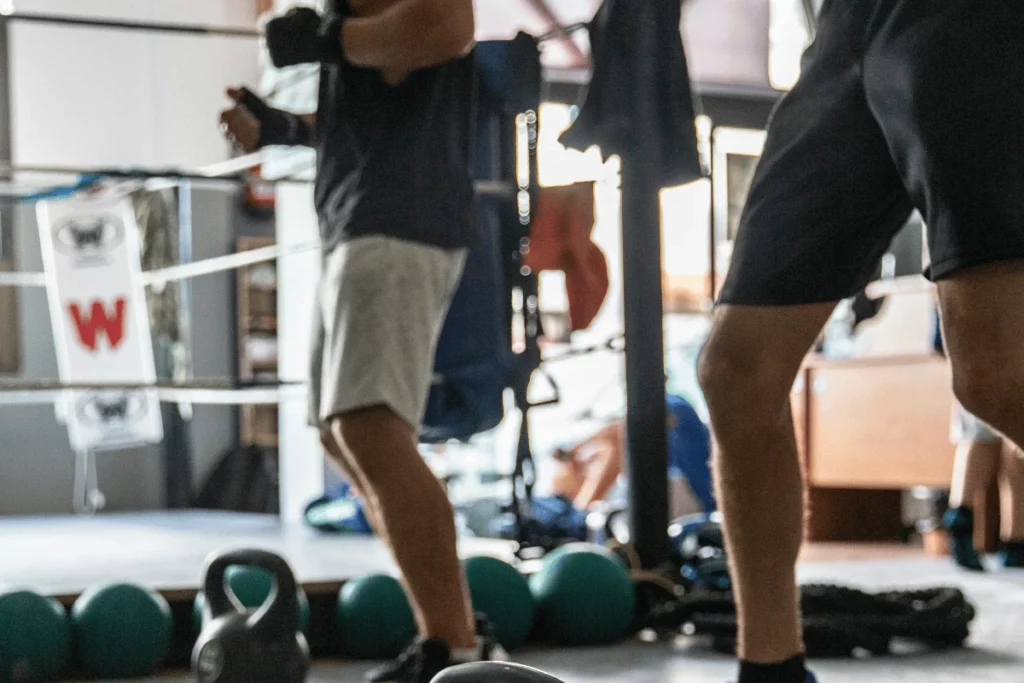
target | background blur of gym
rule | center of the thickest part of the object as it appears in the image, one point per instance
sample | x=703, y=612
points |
x=876, y=422
x=872, y=406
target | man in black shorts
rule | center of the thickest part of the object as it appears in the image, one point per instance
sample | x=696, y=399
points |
x=901, y=104
x=395, y=202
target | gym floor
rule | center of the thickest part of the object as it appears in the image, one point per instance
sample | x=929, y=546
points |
x=995, y=654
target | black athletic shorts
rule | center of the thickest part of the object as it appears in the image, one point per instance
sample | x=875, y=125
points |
x=901, y=104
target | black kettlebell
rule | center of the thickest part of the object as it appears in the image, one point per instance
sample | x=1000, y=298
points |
x=493, y=672
x=239, y=645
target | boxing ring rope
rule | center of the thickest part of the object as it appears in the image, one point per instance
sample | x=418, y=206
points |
x=197, y=392
x=22, y=279
x=124, y=25
x=221, y=172
x=87, y=497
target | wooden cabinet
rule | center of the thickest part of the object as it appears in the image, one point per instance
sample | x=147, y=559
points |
x=878, y=424
x=868, y=429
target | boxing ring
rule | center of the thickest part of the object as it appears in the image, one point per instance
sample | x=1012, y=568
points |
x=166, y=550
x=119, y=183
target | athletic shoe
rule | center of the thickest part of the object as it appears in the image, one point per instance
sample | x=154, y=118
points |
x=1011, y=555
x=424, y=659
x=810, y=678
x=960, y=524
x=421, y=661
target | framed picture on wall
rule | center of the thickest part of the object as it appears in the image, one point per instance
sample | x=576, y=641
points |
x=736, y=154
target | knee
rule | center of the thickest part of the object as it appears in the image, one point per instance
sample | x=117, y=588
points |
x=730, y=377
x=377, y=443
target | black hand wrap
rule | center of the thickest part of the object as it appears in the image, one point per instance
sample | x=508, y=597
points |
x=302, y=36
x=277, y=127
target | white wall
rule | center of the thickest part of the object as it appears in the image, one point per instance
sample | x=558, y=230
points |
x=94, y=97
x=90, y=97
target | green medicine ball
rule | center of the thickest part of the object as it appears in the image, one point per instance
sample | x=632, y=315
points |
x=581, y=547
x=252, y=586
x=503, y=594
x=374, y=618
x=121, y=630
x=583, y=598
x=35, y=637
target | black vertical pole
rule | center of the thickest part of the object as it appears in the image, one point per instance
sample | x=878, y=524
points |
x=646, y=419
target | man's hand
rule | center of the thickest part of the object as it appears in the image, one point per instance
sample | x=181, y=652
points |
x=240, y=125
x=302, y=36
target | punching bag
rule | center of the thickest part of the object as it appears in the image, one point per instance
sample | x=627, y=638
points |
x=613, y=116
x=475, y=362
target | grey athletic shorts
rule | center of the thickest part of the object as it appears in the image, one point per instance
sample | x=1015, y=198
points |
x=381, y=304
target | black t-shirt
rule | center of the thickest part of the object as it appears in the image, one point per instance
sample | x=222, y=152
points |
x=394, y=161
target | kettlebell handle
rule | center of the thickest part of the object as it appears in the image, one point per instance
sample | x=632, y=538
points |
x=278, y=614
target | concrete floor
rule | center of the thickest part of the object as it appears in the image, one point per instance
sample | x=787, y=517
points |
x=996, y=654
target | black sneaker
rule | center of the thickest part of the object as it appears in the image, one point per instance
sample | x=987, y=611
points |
x=960, y=524
x=420, y=662
x=425, y=656
x=1011, y=555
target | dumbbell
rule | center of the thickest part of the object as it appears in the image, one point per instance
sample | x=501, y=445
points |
x=493, y=672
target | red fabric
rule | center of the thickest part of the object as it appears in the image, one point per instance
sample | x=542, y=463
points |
x=561, y=239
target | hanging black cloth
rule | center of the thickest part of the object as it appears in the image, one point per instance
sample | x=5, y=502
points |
x=623, y=114
x=510, y=73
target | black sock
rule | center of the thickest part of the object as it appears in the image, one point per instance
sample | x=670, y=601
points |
x=792, y=670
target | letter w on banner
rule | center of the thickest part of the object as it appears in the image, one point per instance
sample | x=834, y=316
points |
x=100, y=320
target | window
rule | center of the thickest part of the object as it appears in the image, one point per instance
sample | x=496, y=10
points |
x=790, y=33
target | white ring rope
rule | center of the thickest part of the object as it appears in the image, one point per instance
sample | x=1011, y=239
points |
x=22, y=279
x=203, y=392
x=158, y=278
x=198, y=396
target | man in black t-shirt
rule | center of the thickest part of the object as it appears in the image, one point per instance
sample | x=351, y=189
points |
x=901, y=105
x=394, y=198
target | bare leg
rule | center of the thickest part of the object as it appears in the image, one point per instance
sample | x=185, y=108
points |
x=983, y=324
x=974, y=470
x=603, y=470
x=569, y=478
x=1011, y=495
x=747, y=372
x=338, y=459
x=412, y=514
